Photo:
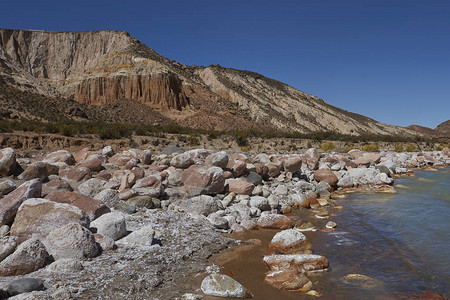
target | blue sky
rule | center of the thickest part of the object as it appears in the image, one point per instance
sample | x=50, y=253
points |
x=388, y=60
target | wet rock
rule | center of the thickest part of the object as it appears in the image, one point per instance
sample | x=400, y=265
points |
x=63, y=156
x=11, y=202
x=66, y=265
x=199, y=205
x=109, y=197
x=218, y=159
x=240, y=187
x=92, y=207
x=24, y=285
x=7, y=161
x=363, y=281
x=221, y=285
x=203, y=180
x=182, y=161
x=290, y=280
x=327, y=176
x=273, y=221
x=111, y=225
x=290, y=241
x=7, y=246
x=91, y=187
x=75, y=174
x=71, y=241
x=331, y=224
x=300, y=262
x=7, y=186
x=30, y=256
x=37, y=217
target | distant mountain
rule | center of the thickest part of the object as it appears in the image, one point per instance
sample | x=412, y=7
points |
x=442, y=131
x=111, y=76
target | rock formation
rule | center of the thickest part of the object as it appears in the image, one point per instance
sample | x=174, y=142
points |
x=104, y=67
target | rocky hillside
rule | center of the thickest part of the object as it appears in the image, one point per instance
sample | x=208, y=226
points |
x=441, y=132
x=100, y=68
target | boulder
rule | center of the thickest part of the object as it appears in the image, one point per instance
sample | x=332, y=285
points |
x=7, y=161
x=93, y=163
x=109, y=197
x=199, y=205
x=300, y=262
x=218, y=159
x=327, y=176
x=107, y=151
x=24, y=285
x=274, y=168
x=120, y=159
x=92, y=207
x=91, y=187
x=63, y=156
x=274, y=221
x=240, y=187
x=111, y=225
x=66, y=265
x=171, y=150
x=290, y=280
x=71, y=241
x=143, y=237
x=221, y=285
x=199, y=179
x=355, y=153
x=7, y=186
x=7, y=246
x=182, y=161
x=292, y=164
x=30, y=256
x=237, y=167
x=199, y=155
x=11, y=202
x=259, y=202
x=35, y=170
x=75, y=174
x=56, y=185
x=143, y=201
x=37, y=217
x=290, y=241
x=261, y=169
x=253, y=178
x=367, y=159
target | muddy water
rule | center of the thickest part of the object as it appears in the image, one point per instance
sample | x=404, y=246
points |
x=401, y=240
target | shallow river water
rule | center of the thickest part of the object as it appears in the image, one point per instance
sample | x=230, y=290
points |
x=400, y=239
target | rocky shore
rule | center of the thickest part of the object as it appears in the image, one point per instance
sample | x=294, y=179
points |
x=137, y=224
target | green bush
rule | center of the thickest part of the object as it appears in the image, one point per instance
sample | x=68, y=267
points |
x=399, y=148
x=411, y=148
x=370, y=148
x=327, y=146
x=193, y=140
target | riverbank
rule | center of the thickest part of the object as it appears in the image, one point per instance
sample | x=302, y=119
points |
x=175, y=207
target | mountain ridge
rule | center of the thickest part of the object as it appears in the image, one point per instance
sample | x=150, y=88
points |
x=97, y=68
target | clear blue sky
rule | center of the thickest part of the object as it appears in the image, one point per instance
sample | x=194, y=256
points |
x=389, y=60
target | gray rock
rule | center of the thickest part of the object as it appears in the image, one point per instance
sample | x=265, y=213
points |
x=108, y=196
x=7, y=246
x=199, y=205
x=30, y=256
x=171, y=149
x=111, y=224
x=183, y=161
x=218, y=222
x=383, y=169
x=219, y=159
x=4, y=229
x=221, y=285
x=7, y=161
x=105, y=242
x=174, y=178
x=281, y=190
x=91, y=187
x=253, y=178
x=7, y=186
x=144, y=237
x=24, y=285
x=71, y=241
x=66, y=265
x=260, y=203
x=125, y=207
x=108, y=151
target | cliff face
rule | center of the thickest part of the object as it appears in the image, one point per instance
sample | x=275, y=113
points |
x=102, y=67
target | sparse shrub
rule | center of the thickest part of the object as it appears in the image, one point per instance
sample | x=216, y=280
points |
x=370, y=148
x=328, y=146
x=439, y=147
x=67, y=130
x=193, y=140
x=348, y=147
x=411, y=148
x=399, y=148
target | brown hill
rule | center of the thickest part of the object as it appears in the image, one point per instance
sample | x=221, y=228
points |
x=111, y=76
